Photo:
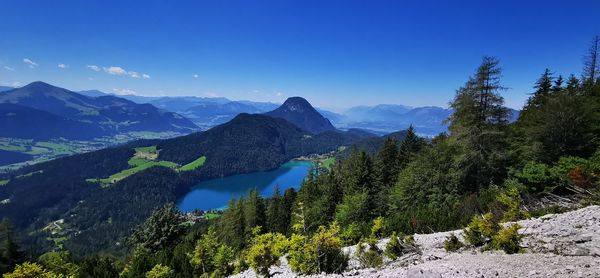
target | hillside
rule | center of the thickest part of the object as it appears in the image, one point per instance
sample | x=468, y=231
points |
x=555, y=245
x=52, y=190
x=300, y=112
x=108, y=115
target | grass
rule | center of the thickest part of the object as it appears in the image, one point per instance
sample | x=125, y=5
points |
x=30, y=174
x=209, y=216
x=56, y=148
x=194, y=164
x=327, y=163
x=3, y=182
x=128, y=172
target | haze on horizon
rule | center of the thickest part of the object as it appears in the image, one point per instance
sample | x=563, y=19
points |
x=336, y=54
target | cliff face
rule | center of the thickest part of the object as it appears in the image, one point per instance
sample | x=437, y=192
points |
x=555, y=245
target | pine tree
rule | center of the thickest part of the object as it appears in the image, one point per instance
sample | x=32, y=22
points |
x=10, y=252
x=591, y=69
x=387, y=163
x=478, y=124
x=573, y=85
x=543, y=88
x=275, y=213
x=254, y=212
x=232, y=225
x=409, y=147
x=558, y=84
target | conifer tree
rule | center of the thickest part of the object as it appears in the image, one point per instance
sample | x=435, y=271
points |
x=591, y=68
x=10, y=252
x=275, y=213
x=411, y=145
x=478, y=124
x=254, y=212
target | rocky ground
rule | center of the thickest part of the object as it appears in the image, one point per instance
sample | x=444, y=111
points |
x=556, y=245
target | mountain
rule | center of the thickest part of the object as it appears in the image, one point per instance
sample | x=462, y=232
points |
x=108, y=114
x=60, y=188
x=298, y=111
x=24, y=122
x=211, y=114
x=381, y=112
x=93, y=93
x=4, y=88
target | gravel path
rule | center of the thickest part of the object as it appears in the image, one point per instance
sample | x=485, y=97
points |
x=556, y=245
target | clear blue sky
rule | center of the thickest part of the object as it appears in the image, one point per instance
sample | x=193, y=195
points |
x=334, y=53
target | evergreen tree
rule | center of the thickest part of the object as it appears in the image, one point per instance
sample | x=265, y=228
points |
x=411, y=145
x=10, y=252
x=573, y=85
x=232, y=225
x=591, y=69
x=478, y=124
x=558, y=84
x=254, y=212
x=161, y=230
x=276, y=219
x=387, y=163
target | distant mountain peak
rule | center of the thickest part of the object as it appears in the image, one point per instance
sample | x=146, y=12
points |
x=301, y=113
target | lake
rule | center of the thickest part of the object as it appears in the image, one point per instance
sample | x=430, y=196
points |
x=216, y=193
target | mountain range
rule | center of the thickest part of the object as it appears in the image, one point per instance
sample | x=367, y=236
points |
x=41, y=111
x=207, y=112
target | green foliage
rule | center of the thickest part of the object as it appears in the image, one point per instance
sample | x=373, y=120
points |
x=452, y=243
x=379, y=228
x=481, y=230
x=322, y=253
x=354, y=232
x=265, y=251
x=164, y=228
x=508, y=239
x=394, y=248
x=536, y=176
x=10, y=251
x=203, y=258
x=32, y=270
x=160, y=271
x=478, y=124
x=353, y=209
x=510, y=197
x=59, y=263
x=370, y=256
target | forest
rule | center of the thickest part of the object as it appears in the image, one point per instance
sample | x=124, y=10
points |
x=483, y=165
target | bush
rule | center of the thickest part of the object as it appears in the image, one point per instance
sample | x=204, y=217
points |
x=322, y=253
x=265, y=252
x=511, y=199
x=353, y=233
x=370, y=257
x=378, y=230
x=160, y=271
x=481, y=230
x=31, y=270
x=452, y=243
x=394, y=248
x=508, y=239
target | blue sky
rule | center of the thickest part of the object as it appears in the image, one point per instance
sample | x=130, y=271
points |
x=335, y=53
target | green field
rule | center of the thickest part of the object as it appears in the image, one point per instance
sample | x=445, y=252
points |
x=209, y=216
x=194, y=164
x=327, y=163
x=3, y=182
x=144, y=158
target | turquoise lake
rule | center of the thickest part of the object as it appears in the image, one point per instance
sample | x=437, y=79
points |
x=216, y=193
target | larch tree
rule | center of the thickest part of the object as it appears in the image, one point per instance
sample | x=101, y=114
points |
x=479, y=123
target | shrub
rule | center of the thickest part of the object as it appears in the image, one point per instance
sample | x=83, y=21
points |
x=379, y=228
x=508, y=239
x=353, y=233
x=160, y=271
x=322, y=253
x=394, y=248
x=481, y=230
x=31, y=270
x=511, y=199
x=371, y=256
x=452, y=243
x=265, y=252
